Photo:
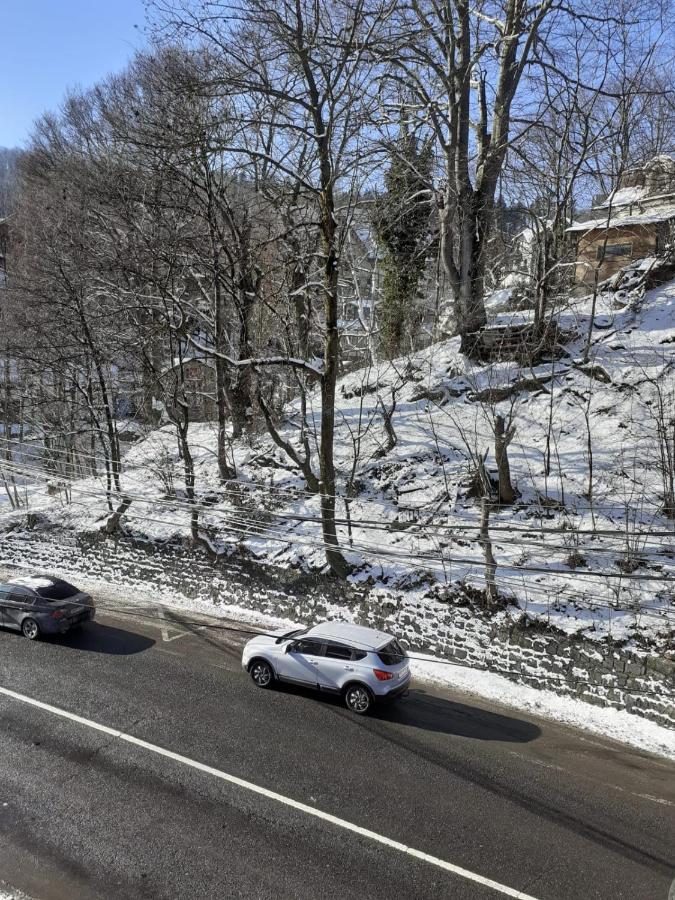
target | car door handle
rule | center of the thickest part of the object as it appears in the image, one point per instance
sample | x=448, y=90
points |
x=314, y=662
x=349, y=668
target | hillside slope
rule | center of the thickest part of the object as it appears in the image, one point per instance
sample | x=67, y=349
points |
x=601, y=563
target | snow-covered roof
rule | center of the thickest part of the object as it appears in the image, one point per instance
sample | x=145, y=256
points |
x=646, y=218
x=33, y=581
x=623, y=196
x=653, y=182
x=630, y=196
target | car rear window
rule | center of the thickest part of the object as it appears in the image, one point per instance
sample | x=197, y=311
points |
x=57, y=590
x=392, y=653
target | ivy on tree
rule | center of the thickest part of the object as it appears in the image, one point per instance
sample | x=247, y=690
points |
x=401, y=224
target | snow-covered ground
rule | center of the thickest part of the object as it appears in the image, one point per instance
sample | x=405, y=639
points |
x=603, y=568
x=7, y=893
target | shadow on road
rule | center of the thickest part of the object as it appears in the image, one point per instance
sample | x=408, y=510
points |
x=97, y=638
x=431, y=713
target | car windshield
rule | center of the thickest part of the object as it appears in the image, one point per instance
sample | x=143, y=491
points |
x=55, y=590
x=392, y=654
x=291, y=634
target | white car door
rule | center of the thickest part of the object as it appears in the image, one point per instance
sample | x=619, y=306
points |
x=336, y=667
x=300, y=662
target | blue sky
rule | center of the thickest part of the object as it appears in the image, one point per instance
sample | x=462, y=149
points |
x=48, y=46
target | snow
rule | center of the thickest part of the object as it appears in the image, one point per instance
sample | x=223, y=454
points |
x=612, y=724
x=499, y=300
x=32, y=581
x=624, y=196
x=619, y=220
x=414, y=528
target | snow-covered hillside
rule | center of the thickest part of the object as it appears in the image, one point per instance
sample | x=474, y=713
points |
x=601, y=562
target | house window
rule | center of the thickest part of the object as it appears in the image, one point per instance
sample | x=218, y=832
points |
x=613, y=250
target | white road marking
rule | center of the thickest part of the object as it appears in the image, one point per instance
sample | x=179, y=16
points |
x=656, y=799
x=165, y=630
x=615, y=787
x=272, y=795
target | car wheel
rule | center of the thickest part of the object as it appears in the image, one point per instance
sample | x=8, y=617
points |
x=358, y=699
x=261, y=672
x=29, y=629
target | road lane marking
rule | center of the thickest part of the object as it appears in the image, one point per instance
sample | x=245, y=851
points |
x=165, y=630
x=656, y=799
x=272, y=795
x=614, y=787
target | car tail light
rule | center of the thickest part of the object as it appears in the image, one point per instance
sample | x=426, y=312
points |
x=381, y=675
x=57, y=614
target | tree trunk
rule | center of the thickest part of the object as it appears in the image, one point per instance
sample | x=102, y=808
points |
x=220, y=319
x=189, y=474
x=334, y=557
x=388, y=417
x=224, y=471
x=464, y=266
x=113, y=522
x=491, y=593
x=503, y=438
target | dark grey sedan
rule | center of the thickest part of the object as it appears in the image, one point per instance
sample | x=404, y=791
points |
x=42, y=604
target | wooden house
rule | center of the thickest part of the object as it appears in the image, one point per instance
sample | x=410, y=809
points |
x=635, y=221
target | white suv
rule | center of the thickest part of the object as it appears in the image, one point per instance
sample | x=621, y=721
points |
x=362, y=664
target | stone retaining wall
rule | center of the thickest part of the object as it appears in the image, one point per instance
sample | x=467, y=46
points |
x=606, y=675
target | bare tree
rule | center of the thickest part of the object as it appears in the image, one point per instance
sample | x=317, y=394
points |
x=298, y=77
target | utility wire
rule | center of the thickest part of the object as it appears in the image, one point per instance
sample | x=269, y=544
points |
x=416, y=528
x=356, y=547
x=408, y=561
x=298, y=493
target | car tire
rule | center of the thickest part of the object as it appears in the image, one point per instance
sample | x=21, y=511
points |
x=261, y=672
x=358, y=699
x=30, y=629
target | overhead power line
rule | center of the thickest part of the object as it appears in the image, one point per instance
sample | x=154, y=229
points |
x=365, y=548
x=299, y=493
x=584, y=601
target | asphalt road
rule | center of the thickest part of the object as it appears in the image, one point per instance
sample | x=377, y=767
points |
x=530, y=805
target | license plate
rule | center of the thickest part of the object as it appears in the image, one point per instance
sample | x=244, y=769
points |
x=403, y=673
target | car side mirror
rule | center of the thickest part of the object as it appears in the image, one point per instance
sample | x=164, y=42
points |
x=289, y=647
